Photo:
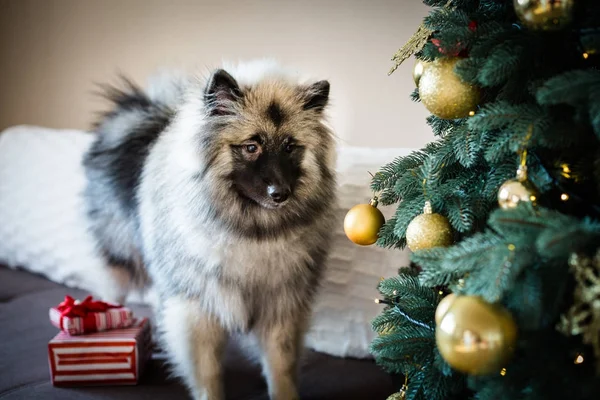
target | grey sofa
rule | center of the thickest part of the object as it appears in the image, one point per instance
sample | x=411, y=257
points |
x=25, y=331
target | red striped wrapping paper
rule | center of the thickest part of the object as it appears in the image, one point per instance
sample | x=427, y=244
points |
x=113, y=318
x=114, y=357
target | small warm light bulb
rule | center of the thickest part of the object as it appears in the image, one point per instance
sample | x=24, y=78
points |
x=471, y=113
x=586, y=56
x=532, y=198
x=503, y=371
x=441, y=292
x=377, y=301
x=511, y=247
x=579, y=359
x=566, y=171
x=564, y=197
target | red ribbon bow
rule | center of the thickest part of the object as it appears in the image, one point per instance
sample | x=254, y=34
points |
x=69, y=308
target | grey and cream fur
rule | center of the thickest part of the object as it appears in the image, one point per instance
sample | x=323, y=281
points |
x=219, y=193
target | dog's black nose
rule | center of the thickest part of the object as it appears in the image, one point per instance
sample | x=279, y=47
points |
x=277, y=193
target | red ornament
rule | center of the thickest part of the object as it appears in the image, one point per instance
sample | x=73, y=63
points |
x=454, y=52
x=458, y=50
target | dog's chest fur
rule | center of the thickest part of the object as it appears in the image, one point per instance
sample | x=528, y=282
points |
x=245, y=282
x=267, y=263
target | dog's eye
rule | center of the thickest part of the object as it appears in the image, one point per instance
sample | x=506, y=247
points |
x=251, y=148
x=289, y=147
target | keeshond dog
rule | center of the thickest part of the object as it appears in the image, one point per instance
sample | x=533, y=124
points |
x=219, y=193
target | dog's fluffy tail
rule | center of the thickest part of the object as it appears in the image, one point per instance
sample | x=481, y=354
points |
x=134, y=109
x=113, y=166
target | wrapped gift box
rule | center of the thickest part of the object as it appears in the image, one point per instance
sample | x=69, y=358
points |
x=77, y=318
x=113, y=357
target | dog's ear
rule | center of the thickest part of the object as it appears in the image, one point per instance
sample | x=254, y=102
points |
x=316, y=96
x=221, y=93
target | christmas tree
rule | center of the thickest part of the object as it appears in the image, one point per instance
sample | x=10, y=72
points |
x=502, y=211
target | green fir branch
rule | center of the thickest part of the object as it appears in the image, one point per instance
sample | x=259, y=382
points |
x=510, y=117
x=503, y=144
x=410, y=289
x=441, y=127
x=387, y=238
x=526, y=299
x=406, y=341
x=410, y=184
x=415, y=387
x=468, y=69
x=435, y=3
x=461, y=214
x=439, y=386
x=572, y=87
x=415, y=96
x=440, y=166
x=393, y=320
x=388, y=196
x=441, y=266
x=522, y=224
x=490, y=35
x=446, y=20
x=574, y=236
x=466, y=146
x=500, y=65
x=502, y=267
x=441, y=364
x=497, y=176
x=387, y=176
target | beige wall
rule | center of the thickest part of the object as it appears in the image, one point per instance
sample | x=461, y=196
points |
x=52, y=51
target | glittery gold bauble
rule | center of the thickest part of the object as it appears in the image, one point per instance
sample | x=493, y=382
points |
x=418, y=69
x=363, y=222
x=444, y=93
x=443, y=307
x=515, y=191
x=476, y=337
x=428, y=230
x=397, y=396
x=544, y=14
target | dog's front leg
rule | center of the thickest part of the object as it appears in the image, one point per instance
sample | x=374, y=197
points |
x=281, y=344
x=195, y=341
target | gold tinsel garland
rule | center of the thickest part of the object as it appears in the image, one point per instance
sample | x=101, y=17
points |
x=414, y=44
x=583, y=318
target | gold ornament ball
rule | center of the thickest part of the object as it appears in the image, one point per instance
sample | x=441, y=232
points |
x=546, y=15
x=476, y=337
x=418, y=69
x=515, y=191
x=444, y=93
x=362, y=223
x=397, y=396
x=443, y=307
x=428, y=230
